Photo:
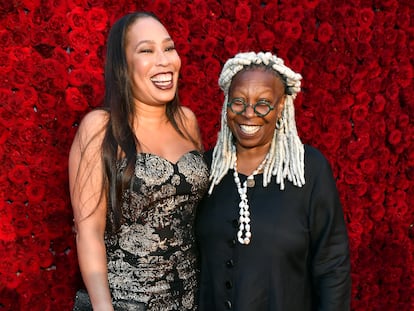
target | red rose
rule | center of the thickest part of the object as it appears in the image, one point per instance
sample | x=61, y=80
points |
x=77, y=18
x=46, y=101
x=323, y=10
x=248, y=45
x=362, y=49
x=330, y=142
x=390, y=36
x=404, y=74
x=294, y=14
x=35, y=192
x=403, y=17
x=394, y=137
x=23, y=226
x=350, y=15
x=191, y=74
x=341, y=72
x=403, y=121
x=325, y=32
x=161, y=8
x=96, y=41
x=357, y=83
x=271, y=14
x=377, y=212
x=197, y=47
x=7, y=231
x=240, y=30
x=355, y=230
x=311, y=4
x=223, y=28
x=359, y=112
x=182, y=46
x=6, y=37
x=368, y=166
x=243, y=13
x=212, y=68
x=366, y=17
x=79, y=40
x=375, y=85
x=378, y=103
x=211, y=28
x=97, y=19
x=78, y=77
x=297, y=63
x=296, y=31
x=287, y=30
x=75, y=99
x=231, y=45
x=19, y=174
x=266, y=40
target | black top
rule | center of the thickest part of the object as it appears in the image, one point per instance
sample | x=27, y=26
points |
x=298, y=257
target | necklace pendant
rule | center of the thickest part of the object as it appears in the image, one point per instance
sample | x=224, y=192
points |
x=250, y=183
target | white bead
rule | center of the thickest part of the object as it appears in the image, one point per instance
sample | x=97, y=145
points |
x=244, y=213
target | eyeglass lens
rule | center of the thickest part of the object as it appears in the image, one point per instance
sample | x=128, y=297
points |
x=239, y=105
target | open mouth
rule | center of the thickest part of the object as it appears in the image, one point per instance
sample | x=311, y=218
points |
x=163, y=80
x=250, y=129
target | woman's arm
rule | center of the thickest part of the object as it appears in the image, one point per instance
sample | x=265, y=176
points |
x=89, y=207
x=330, y=250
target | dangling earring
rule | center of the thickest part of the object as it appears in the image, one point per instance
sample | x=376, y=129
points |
x=279, y=123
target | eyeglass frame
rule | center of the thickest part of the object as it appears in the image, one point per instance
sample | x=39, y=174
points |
x=245, y=105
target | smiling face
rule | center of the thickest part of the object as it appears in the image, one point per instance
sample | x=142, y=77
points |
x=153, y=62
x=254, y=85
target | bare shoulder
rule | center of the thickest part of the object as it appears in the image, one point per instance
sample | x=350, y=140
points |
x=190, y=119
x=93, y=125
x=191, y=126
x=94, y=121
x=188, y=114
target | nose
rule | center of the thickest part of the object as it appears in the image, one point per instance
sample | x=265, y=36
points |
x=162, y=58
x=249, y=111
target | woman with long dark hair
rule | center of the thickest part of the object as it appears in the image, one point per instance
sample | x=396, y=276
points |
x=136, y=174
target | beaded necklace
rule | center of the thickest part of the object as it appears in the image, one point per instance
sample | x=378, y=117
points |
x=244, y=234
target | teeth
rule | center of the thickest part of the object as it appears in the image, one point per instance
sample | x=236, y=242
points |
x=162, y=78
x=250, y=129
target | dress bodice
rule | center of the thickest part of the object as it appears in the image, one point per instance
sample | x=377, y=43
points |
x=152, y=259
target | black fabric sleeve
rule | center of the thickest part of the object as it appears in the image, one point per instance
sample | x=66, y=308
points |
x=329, y=242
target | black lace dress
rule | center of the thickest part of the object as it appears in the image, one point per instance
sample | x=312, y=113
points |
x=153, y=258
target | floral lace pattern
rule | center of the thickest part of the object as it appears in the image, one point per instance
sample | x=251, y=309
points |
x=152, y=259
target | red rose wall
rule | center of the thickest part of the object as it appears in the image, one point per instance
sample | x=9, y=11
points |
x=356, y=106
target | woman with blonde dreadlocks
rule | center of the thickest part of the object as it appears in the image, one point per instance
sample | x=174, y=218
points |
x=271, y=230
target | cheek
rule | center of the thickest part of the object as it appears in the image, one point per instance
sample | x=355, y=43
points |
x=176, y=60
x=229, y=116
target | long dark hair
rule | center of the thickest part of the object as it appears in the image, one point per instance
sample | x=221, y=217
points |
x=120, y=141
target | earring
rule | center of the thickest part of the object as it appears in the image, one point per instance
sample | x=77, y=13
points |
x=279, y=123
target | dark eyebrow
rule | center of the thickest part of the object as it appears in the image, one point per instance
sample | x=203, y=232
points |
x=168, y=39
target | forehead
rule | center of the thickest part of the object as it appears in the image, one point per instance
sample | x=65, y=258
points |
x=257, y=77
x=146, y=28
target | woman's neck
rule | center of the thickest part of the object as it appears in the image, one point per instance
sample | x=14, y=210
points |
x=248, y=159
x=152, y=116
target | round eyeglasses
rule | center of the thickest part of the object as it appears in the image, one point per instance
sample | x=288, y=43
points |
x=261, y=108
